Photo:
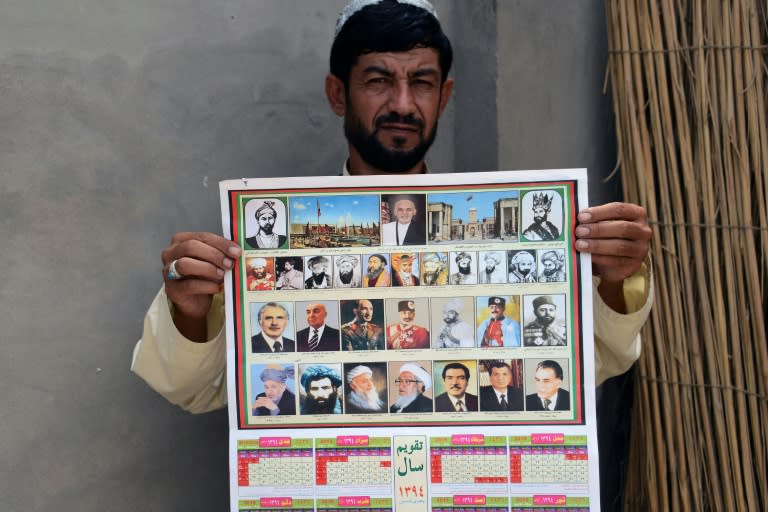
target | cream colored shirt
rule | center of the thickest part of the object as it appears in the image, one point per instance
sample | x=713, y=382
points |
x=193, y=375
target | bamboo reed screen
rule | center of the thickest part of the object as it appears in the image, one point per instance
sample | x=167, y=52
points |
x=688, y=79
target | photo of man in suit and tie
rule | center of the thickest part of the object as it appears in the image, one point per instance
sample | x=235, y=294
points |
x=548, y=380
x=456, y=377
x=318, y=336
x=501, y=395
x=272, y=319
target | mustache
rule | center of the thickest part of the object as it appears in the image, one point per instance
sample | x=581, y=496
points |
x=455, y=386
x=394, y=117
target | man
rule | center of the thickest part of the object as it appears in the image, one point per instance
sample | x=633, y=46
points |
x=290, y=278
x=361, y=333
x=522, y=267
x=377, y=275
x=406, y=229
x=319, y=278
x=317, y=336
x=434, y=269
x=455, y=398
x=500, y=396
x=545, y=330
x=549, y=396
x=363, y=398
x=389, y=80
x=265, y=237
x=412, y=382
x=258, y=277
x=406, y=335
x=498, y=330
x=403, y=275
x=464, y=272
x=541, y=228
x=455, y=333
x=553, y=267
x=321, y=390
x=277, y=399
x=494, y=272
x=347, y=271
x=273, y=319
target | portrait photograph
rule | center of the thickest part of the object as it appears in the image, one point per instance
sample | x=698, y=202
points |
x=455, y=384
x=405, y=268
x=492, y=267
x=434, y=269
x=362, y=324
x=498, y=321
x=318, y=272
x=501, y=385
x=410, y=387
x=347, y=271
x=545, y=324
x=290, y=273
x=273, y=391
x=272, y=327
x=547, y=385
x=403, y=219
x=473, y=217
x=407, y=323
x=365, y=388
x=321, y=389
x=552, y=266
x=462, y=267
x=266, y=224
x=260, y=273
x=335, y=221
x=522, y=266
x=317, y=326
x=452, y=321
x=542, y=216
x=376, y=271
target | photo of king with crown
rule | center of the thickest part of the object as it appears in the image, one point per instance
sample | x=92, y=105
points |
x=542, y=216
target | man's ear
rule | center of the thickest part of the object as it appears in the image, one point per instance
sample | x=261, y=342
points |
x=336, y=94
x=445, y=93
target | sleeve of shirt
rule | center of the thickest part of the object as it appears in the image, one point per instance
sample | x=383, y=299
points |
x=617, y=336
x=188, y=374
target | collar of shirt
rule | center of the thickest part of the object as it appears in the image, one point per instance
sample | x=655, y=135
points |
x=453, y=400
x=499, y=393
x=552, y=403
x=271, y=342
x=319, y=331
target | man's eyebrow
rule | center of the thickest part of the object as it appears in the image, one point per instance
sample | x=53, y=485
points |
x=424, y=72
x=377, y=69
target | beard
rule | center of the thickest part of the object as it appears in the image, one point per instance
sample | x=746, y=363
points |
x=404, y=401
x=368, y=401
x=430, y=278
x=374, y=153
x=346, y=277
x=545, y=320
x=259, y=275
x=321, y=406
x=523, y=271
x=267, y=228
x=550, y=272
x=374, y=274
x=465, y=270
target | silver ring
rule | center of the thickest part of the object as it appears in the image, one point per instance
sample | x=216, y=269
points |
x=173, y=274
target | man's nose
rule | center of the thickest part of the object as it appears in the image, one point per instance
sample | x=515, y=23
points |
x=401, y=99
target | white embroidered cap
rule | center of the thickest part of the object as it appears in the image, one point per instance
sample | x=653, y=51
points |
x=356, y=5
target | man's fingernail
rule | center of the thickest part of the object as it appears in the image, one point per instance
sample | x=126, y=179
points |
x=582, y=231
x=585, y=217
x=228, y=262
x=235, y=251
x=582, y=244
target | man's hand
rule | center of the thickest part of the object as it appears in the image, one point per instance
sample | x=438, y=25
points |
x=617, y=236
x=201, y=258
x=263, y=401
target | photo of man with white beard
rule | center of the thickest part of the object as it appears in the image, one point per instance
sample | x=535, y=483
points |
x=366, y=384
x=411, y=390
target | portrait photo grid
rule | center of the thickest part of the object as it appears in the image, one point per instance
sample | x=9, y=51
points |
x=431, y=306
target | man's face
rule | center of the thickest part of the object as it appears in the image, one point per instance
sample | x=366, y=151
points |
x=496, y=310
x=318, y=268
x=258, y=271
x=525, y=264
x=363, y=383
x=490, y=265
x=374, y=264
x=407, y=316
x=273, y=321
x=267, y=221
x=500, y=377
x=545, y=314
x=316, y=314
x=549, y=267
x=546, y=382
x=431, y=267
x=393, y=101
x=406, y=266
x=345, y=268
x=288, y=266
x=408, y=384
x=274, y=390
x=365, y=310
x=450, y=316
x=405, y=210
x=321, y=390
x=539, y=214
x=455, y=381
x=464, y=263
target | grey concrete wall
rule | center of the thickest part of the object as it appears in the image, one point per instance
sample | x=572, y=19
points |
x=117, y=119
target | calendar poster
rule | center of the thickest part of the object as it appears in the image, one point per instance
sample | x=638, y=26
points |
x=410, y=344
